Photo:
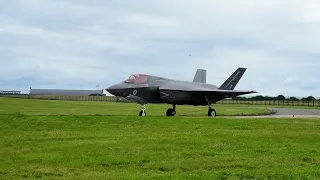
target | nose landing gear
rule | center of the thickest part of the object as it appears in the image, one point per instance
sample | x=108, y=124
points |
x=143, y=110
x=171, y=111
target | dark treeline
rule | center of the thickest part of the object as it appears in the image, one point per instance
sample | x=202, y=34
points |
x=279, y=98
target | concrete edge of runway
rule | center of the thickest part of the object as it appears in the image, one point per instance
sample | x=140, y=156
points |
x=278, y=116
x=288, y=113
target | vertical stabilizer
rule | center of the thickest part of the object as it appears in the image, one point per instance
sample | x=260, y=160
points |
x=233, y=80
x=200, y=76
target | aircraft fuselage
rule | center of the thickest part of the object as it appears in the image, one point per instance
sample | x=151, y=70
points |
x=152, y=92
x=144, y=89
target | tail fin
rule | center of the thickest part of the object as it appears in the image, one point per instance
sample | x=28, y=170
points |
x=233, y=80
x=200, y=76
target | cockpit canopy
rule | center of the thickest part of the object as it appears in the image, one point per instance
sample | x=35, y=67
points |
x=137, y=78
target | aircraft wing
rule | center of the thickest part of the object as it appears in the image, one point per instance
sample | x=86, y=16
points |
x=209, y=91
x=225, y=92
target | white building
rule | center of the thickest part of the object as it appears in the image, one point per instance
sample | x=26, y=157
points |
x=9, y=92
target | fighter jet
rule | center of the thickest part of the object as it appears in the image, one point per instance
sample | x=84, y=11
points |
x=144, y=88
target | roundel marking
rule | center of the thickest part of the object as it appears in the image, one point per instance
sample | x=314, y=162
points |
x=135, y=92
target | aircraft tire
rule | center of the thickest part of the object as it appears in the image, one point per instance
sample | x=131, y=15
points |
x=212, y=113
x=171, y=112
x=142, y=113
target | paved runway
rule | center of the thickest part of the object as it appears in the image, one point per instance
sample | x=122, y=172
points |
x=289, y=112
x=293, y=111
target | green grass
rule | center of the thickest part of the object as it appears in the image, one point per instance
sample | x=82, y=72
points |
x=132, y=147
x=66, y=140
x=59, y=107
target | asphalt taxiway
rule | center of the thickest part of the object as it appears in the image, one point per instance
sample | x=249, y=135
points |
x=289, y=112
x=294, y=111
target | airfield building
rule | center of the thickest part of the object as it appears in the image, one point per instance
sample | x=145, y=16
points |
x=9, y=92
x=66, y=92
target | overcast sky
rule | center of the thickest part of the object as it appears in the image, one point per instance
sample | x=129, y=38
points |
x=79, y=43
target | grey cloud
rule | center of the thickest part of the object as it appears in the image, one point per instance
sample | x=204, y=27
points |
x=81, y=43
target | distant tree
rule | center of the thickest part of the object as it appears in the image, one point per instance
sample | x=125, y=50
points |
x=258, y=98
x=311, y=98
x=281, y=97
x=237, y=98
x=267, y=98
x=293, y=98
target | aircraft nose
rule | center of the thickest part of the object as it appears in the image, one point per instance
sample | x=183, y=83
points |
x=113, y=89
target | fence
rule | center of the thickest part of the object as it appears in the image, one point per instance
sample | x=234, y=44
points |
x=310, y=103
x=69, y=98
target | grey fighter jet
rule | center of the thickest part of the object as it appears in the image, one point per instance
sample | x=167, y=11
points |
x=143, y=89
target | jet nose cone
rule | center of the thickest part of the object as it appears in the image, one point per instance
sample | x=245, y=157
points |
x=113, y=89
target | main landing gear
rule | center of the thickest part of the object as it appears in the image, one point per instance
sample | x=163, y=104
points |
x=211, y=112
x=171, y=111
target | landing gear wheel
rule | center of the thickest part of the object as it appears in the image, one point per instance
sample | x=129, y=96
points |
x=142, y=113
x=212, y=113
x=171, y=112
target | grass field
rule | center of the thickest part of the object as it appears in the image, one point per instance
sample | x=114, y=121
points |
x=274, y=103
x=39, y=144
x=59, y=107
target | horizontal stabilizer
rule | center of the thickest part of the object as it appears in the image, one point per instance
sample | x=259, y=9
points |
x=200, y=76
x=233, y=80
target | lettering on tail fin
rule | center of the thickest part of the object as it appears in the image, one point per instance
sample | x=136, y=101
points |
x=233, y=80
x=200, y=76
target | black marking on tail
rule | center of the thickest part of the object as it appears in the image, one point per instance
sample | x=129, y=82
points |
x=233, y=80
